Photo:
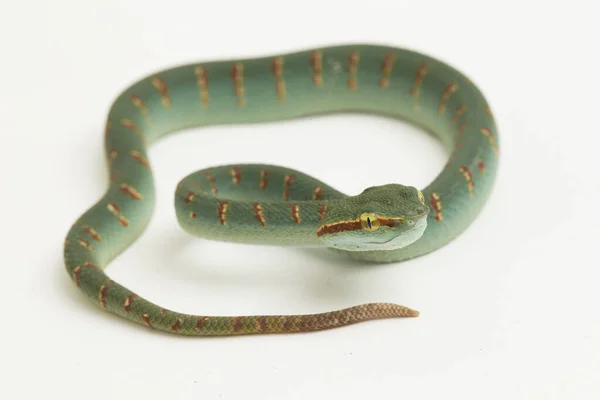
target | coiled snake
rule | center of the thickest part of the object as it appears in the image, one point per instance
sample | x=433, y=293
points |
x=268, y=204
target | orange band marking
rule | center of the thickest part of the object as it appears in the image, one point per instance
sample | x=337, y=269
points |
x=130, y=191
x=90, y=265
x=486, y=132
x=161, y=86
x=140, y=158
x=236, y=175
x=295, y=212
x=317, y=193
x=264, y=179
x=353, y=60
x=288, y=324
x=76, y=275
x=287, y=182
x=222, y=212
x=146, y=319
x=137, y=101
x=322, y=211
x=102, y=295
x=92, y=232
x=261, y=324
x=86, y=244
x=258, y=214
x=386, y=70
x=436, y=204
x=469, y=177
x=116, y=211
x=237, y=74
x=419, y=76
x=190, y=196
x=202, y=81
x=277, y=70
x=316, y=63
x=460, y=110
x=212, y=181
x=177, y=325
x=448, y=91
x=237, y=323
x=128, y=301
x=201, y=322
x=129, y=124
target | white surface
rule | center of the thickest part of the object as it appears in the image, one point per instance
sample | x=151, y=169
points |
x=508, y=311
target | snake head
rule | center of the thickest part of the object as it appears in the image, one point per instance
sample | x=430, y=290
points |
x=384, y=217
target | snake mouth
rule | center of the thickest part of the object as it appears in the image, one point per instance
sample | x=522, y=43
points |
x=419, y=225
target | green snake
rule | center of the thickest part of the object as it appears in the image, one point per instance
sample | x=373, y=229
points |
x=273, y=205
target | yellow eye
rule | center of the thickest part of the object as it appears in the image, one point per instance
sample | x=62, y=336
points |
x=421, y=197
x=369, y=221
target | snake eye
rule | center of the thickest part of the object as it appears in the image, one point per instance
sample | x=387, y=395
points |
x=421, y=197
x=369, y=221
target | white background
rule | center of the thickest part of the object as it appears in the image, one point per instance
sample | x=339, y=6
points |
x=508, y=311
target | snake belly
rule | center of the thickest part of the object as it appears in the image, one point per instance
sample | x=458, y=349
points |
x=271, y=204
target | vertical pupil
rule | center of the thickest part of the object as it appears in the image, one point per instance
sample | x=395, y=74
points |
x=369, y=222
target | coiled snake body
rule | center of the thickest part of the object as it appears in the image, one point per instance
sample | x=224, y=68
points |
x=274, y=205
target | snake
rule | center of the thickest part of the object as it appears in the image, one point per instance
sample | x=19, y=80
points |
x=274, y=205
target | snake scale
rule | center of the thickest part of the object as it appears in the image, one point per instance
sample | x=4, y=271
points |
x=267, y=204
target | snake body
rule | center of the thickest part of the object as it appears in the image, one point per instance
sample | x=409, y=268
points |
x=269, y=204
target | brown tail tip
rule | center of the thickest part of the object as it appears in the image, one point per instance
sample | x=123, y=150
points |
x=412, y=313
